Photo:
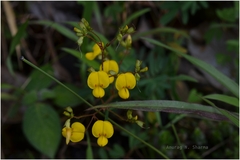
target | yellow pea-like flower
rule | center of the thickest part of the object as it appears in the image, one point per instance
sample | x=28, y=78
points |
x=96, y=51
x=75, y=133
x=102, y=130
x=111, y=68
x=97, y=81
x=124, y=82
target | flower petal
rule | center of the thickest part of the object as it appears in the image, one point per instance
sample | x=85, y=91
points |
x=103, y=79
x=77, y=136
x=110, y=65
x=96, y=49
x=98, y=92
x=92, y=80
x=107, y=129
x=78, y=127
x=120, y=81
x=102, y=141
x=123, y=93
x=90, y=56
x=97, y=128
x=131, y=80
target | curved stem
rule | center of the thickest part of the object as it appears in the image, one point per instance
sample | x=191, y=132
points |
x=32, y=65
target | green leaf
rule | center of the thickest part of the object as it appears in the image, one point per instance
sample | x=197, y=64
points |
x=30, y=97
x=94, y=64
x=194, y=96
x=117, y=151
x=220, y=77
x=103, y=153
x=135, y=15
x=227, y=14
x=38, y=80
x=60, y=28
x=168, y=106
x=64, y=98
x=224, y=98
x=46, y=94
x=166, y=18
x=41, y=126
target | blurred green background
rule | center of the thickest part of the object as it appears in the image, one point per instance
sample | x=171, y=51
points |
x=43, y=33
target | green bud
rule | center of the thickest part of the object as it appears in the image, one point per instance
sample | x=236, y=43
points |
x=130, y=30
x=119, y=37
x=112, y=73
x=140, y=123
x=145, y=69
x=77, y=30
x=129, y=41
x=129, y=114
x=137, y=65
x=80, y=41
x=69, y=109
x=137, y=76
x=67, y=123
x=91, y=70
x=67, y=114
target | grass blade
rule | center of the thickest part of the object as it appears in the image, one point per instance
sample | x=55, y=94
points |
x=224, y=98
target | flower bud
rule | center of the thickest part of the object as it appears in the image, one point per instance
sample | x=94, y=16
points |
x=145, y=69
x=129, y=114
x=130, y=30
x=137, y=76
x=129, y=41
x=67, y=114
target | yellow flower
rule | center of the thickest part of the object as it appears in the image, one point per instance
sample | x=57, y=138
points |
x=102, y=130
x=96, y=51
x=97, y=81
x=111, y=68
x=124, y=82
x=75, y=133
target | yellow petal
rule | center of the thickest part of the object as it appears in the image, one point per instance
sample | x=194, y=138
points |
x=96, y=49
x=92, y=80
x=107, y=129
x=125, y=80
x=110, y=65
x=78, y=130
x=66, y=132
x=103, y=79
x=76, y=136
x=78, y=127
x=102, y=141
x=111, y=79
x=98, y=92
x=90, y=56
x=120, y=81
x=97, y=128
x=123, y=93
x=131, y=80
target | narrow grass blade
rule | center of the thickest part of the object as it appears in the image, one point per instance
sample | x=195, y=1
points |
x=60, y=28
x=224, y=98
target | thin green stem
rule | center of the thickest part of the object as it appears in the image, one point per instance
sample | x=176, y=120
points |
x=179, y=143
x=133, y=135
x=32, y=65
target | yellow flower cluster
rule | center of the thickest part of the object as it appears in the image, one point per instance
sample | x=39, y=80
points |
x=99, y=80
x=101, y=130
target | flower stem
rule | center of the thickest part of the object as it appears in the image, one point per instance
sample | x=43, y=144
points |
x=32, y=65
x=175, y=132
x=133, y=135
